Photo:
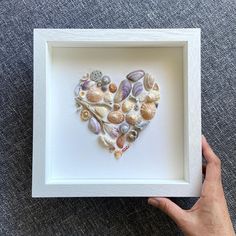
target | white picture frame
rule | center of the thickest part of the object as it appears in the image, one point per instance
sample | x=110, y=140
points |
x=188, y=41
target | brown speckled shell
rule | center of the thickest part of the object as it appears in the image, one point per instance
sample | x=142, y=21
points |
x=120, y=141
x=115, y=117
x=112, y=88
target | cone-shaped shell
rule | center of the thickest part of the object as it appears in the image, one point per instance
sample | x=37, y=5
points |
x=148, y=81
x=120, y=141
x=94, y=125
x=115, y=117
x=94, y=95
x=137, y=89
x=148, y=110
x=135, y=75
x=123, y=91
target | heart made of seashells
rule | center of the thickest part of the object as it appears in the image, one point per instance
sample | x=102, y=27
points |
x=117, y=115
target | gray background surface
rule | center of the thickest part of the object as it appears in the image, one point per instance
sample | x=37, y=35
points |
x=22, y=215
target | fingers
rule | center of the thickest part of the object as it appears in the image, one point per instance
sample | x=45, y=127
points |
x=170, y=208
x=213, y=168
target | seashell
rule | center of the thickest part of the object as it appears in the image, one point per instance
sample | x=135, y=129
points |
x=153, y=96
x=116, y=106
x=115, y=117
x=142, y=97
x=124, y=128
x=101, y=111
x=87, y=84
x=118, y=154
x=127, y=106
x=131, y=118
x=96, y=75
x=94, y=125
x=85, y=77
x=132, y=135
x=148, y=81
x=107, y=97
x=137, y=89
x=106, y=142
x=123, y=91
x=99, y=84
x=105, y=80
x=77, y=90
x=135, y=75
x=121, y=141
x=148, y=110
x=142, y=125
x=85, y=114
x=94, y=95
x=81, y=94
x=112, y=88
x=155, y=87
x=104, y=88
x=111, y=130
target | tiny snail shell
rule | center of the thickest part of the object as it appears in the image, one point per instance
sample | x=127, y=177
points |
x=94, y=95
x=85, y=114
x=124, y=128
x=115, y=117
x=132, y=135
x=112, y=88
x=94, y=125
x=105, y=80
x=148, y=110
x=121, y=141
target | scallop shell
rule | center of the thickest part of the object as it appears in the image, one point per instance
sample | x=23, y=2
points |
x=94, y=95
x=131, y=118
x=94, y=125
x=111, y=130
x=148, y=81
x=153, y=96
x=137, y=89
x=96, y=75
x=135, y=75
x=148, y=110
x=127, y=106
x=123, y=91
x=101, y=111
x=115, y=117
x=106, y=142
x=121, y=141
x=107, y=97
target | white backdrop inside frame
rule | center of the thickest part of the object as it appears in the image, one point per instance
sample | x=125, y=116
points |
x=72, y=150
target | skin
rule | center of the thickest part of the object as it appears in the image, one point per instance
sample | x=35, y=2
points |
x=209, y=215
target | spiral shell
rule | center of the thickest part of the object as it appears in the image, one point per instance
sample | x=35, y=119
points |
x=137, y=89
x=127, y=106
x=131, y=118
x=121, y=141
x=105, y=80
x=132, y=135
x=111, y=130
x=94, y=95
x=148, y=110
x=148, y=81
x=115, y=117
x=135, y=75
x=94, y=125
x=123, y=91
x=124, y=128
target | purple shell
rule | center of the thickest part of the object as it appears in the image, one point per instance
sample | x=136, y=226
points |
x=94, y=125
x=135, y=75
x=111, y=130
x=123, y=91
x=137, y=89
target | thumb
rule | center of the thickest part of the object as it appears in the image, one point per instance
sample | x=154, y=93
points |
x=168, y=207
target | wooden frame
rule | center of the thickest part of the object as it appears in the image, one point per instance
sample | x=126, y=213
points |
x=189, y=41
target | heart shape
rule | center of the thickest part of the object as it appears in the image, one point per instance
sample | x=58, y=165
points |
x=117, y=115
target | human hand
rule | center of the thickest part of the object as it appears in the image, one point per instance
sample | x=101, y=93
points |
x=209, y=215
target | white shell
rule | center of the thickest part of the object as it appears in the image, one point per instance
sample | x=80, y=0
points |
x=101, y=111
x=107, y=97
x=127, y=106
x=153, y=96
x=106, y=142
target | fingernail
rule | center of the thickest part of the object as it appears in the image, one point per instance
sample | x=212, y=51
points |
x=152, y=201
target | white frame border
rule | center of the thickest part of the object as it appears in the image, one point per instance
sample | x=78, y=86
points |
x=44, y=39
